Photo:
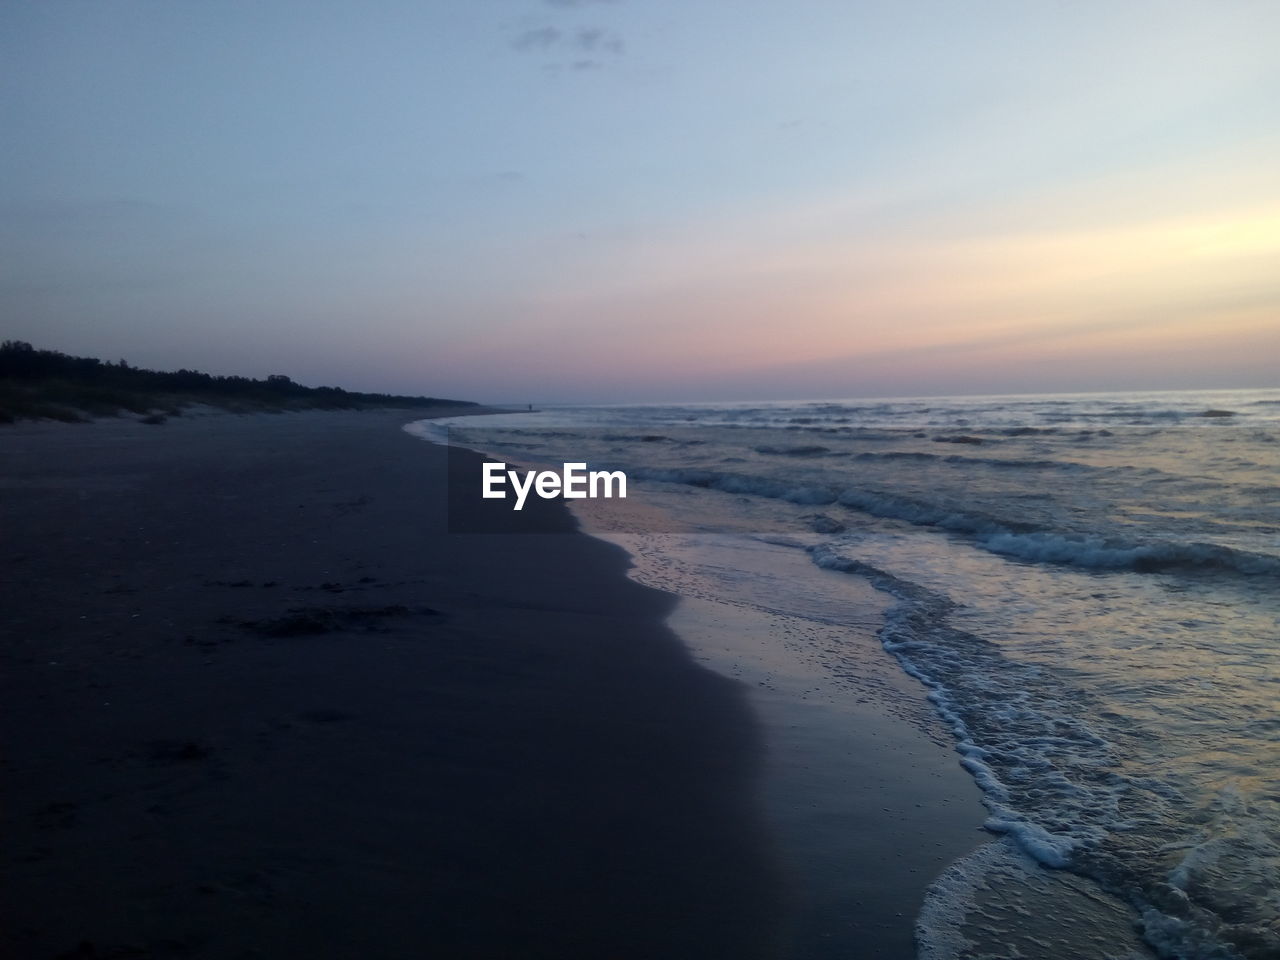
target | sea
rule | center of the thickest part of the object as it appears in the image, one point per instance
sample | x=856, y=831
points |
x=1086, y=589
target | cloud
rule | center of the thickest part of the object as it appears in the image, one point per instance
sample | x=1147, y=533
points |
x=595, y=39
x=569, y=45
x=540, y=38
x=596, y=42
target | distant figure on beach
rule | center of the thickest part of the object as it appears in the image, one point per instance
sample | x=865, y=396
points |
x=531, y=408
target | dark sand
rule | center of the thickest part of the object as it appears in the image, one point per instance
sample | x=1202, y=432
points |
x=257, y=702
x=466, y=746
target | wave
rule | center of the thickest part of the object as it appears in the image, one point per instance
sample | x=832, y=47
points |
x=1096, y=553
x=740, y=484
x=957, y=458
x=997, y=535
x=1138, y=412
x=812, y=450
x=1017, y=464
x=1032, y=762
x=1059, y=793
x=637, y=438
x=909, y=455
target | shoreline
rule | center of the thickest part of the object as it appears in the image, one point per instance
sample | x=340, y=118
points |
x=861, y=788
x=257, y=700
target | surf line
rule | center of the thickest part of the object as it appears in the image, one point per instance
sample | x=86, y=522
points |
x=574, y=482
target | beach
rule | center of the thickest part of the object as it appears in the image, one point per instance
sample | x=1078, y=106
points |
x=592, y=480
x=259, y=702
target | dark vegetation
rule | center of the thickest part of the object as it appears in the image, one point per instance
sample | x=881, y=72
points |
x=46, y=384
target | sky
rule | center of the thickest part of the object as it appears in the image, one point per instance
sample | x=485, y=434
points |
x=629, y=200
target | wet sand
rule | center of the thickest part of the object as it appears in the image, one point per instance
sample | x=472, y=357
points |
x=861, y=789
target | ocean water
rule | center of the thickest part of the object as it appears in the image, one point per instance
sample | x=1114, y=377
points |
x=1087, y=586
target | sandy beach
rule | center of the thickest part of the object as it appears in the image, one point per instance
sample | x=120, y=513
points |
x=258, y=703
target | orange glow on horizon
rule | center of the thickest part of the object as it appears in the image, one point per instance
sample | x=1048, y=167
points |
x=1118, y=287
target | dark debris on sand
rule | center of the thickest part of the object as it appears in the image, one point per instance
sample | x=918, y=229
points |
x=312, y=621
x=88, y=950
x=178, y=751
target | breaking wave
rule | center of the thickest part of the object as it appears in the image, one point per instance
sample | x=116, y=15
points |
x=996, y=535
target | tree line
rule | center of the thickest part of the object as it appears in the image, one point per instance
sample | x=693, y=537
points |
x=46, y=380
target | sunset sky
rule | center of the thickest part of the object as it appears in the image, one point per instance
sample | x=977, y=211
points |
x=616, y=200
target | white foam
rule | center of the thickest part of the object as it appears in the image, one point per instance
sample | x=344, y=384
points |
x=949, y=902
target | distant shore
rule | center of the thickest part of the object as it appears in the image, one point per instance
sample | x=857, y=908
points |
x=37, y=384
